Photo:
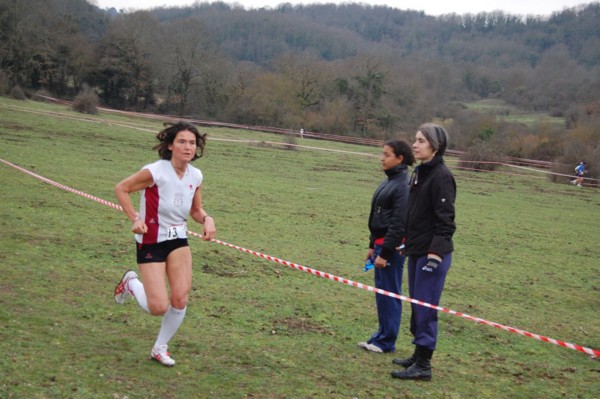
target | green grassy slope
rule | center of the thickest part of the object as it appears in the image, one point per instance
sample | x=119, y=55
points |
x=526, y=256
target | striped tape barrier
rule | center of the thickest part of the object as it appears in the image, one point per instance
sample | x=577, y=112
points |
x=592, y=352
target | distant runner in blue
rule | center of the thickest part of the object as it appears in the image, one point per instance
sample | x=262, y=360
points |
x=579, y=172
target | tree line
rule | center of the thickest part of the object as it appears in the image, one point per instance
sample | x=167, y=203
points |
x=352, y=69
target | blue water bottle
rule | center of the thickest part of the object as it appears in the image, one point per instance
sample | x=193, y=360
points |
x=369, y=264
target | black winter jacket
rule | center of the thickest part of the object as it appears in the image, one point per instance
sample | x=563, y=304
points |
x=430, y=213
x=388, y=211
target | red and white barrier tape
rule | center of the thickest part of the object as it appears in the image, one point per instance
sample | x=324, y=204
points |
x=592, y=352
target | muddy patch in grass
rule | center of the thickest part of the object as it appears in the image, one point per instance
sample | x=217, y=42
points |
x=299, y=325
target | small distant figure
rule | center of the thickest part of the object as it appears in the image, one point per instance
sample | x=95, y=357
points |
x=580, y=170
x=302, y=133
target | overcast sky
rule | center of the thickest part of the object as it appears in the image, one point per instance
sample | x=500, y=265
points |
x=431, y=7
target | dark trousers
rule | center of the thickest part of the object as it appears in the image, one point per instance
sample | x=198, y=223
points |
x=427, y=287
x=389, y=310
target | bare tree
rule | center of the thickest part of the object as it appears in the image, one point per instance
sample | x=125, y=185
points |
x=188, y=53
x=130, y=56
x=20, y=30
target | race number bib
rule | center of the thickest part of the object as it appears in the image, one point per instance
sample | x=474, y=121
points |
x=174, y=232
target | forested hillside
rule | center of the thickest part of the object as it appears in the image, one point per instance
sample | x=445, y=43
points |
x=351, y=69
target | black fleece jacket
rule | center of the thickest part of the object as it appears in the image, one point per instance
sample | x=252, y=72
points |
x=430, y=213
x=388, y=211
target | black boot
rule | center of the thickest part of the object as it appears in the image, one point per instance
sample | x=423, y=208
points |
x=407, y=362
x=421, y=369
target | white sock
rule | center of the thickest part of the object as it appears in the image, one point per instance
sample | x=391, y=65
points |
x=170, y=324
x=137, y=289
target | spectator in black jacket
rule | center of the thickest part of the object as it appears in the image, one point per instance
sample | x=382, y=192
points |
x=387, y=225
x=429, y=229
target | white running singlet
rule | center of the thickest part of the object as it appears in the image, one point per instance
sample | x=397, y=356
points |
x=165, y=205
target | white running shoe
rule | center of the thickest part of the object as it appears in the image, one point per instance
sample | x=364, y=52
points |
x=373, y=348
x=122, y=291
x=161, y=355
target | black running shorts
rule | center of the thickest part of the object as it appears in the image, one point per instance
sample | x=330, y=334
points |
x=157, y=253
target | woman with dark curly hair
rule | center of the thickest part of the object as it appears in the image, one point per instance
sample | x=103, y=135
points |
x=171, y=190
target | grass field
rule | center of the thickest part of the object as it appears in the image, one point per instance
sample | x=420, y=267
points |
x=510, y=113
x=526, y=256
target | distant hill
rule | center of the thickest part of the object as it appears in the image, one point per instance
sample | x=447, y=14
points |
x=340, y=31
x=350, y=69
